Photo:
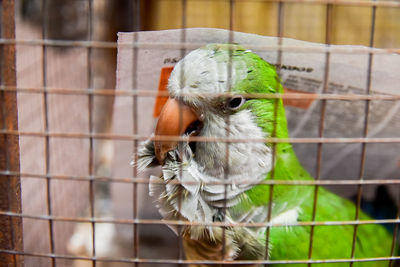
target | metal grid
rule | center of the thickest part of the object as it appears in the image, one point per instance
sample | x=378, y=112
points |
x=12, y=251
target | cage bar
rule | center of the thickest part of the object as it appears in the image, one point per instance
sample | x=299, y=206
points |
x=327, y=181
x=182, y=51
x=91, y=168
x=280, y=34
x=194, y=45
x=45, y=108
x=135, y=111
x=328, y=37
x=365, y=133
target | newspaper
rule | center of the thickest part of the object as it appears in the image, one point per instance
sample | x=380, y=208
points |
x=303, y=68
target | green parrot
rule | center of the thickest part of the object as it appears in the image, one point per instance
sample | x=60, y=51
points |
x=209, y=91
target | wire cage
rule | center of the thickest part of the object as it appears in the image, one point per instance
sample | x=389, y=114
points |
x=70, y=126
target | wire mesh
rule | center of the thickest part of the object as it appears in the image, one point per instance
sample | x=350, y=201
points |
x=77, y=132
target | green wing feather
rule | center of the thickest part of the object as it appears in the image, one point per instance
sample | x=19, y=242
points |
x=331, y=241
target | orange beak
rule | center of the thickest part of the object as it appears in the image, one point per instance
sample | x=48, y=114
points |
x=171, y=123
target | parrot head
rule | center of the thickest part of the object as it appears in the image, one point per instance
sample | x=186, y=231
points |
x=209, y=97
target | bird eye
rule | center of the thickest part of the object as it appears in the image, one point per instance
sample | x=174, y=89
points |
x=235, y=102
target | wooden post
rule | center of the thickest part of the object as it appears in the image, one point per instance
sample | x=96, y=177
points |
x=10, y=185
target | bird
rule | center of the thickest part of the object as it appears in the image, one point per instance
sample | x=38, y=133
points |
x=216, y=91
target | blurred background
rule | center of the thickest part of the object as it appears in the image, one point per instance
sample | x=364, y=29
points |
x=54, y=75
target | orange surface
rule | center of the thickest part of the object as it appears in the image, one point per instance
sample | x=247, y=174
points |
x=305, y=99
x=162, y=91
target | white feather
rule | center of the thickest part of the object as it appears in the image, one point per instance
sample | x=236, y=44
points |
x=287, y=217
